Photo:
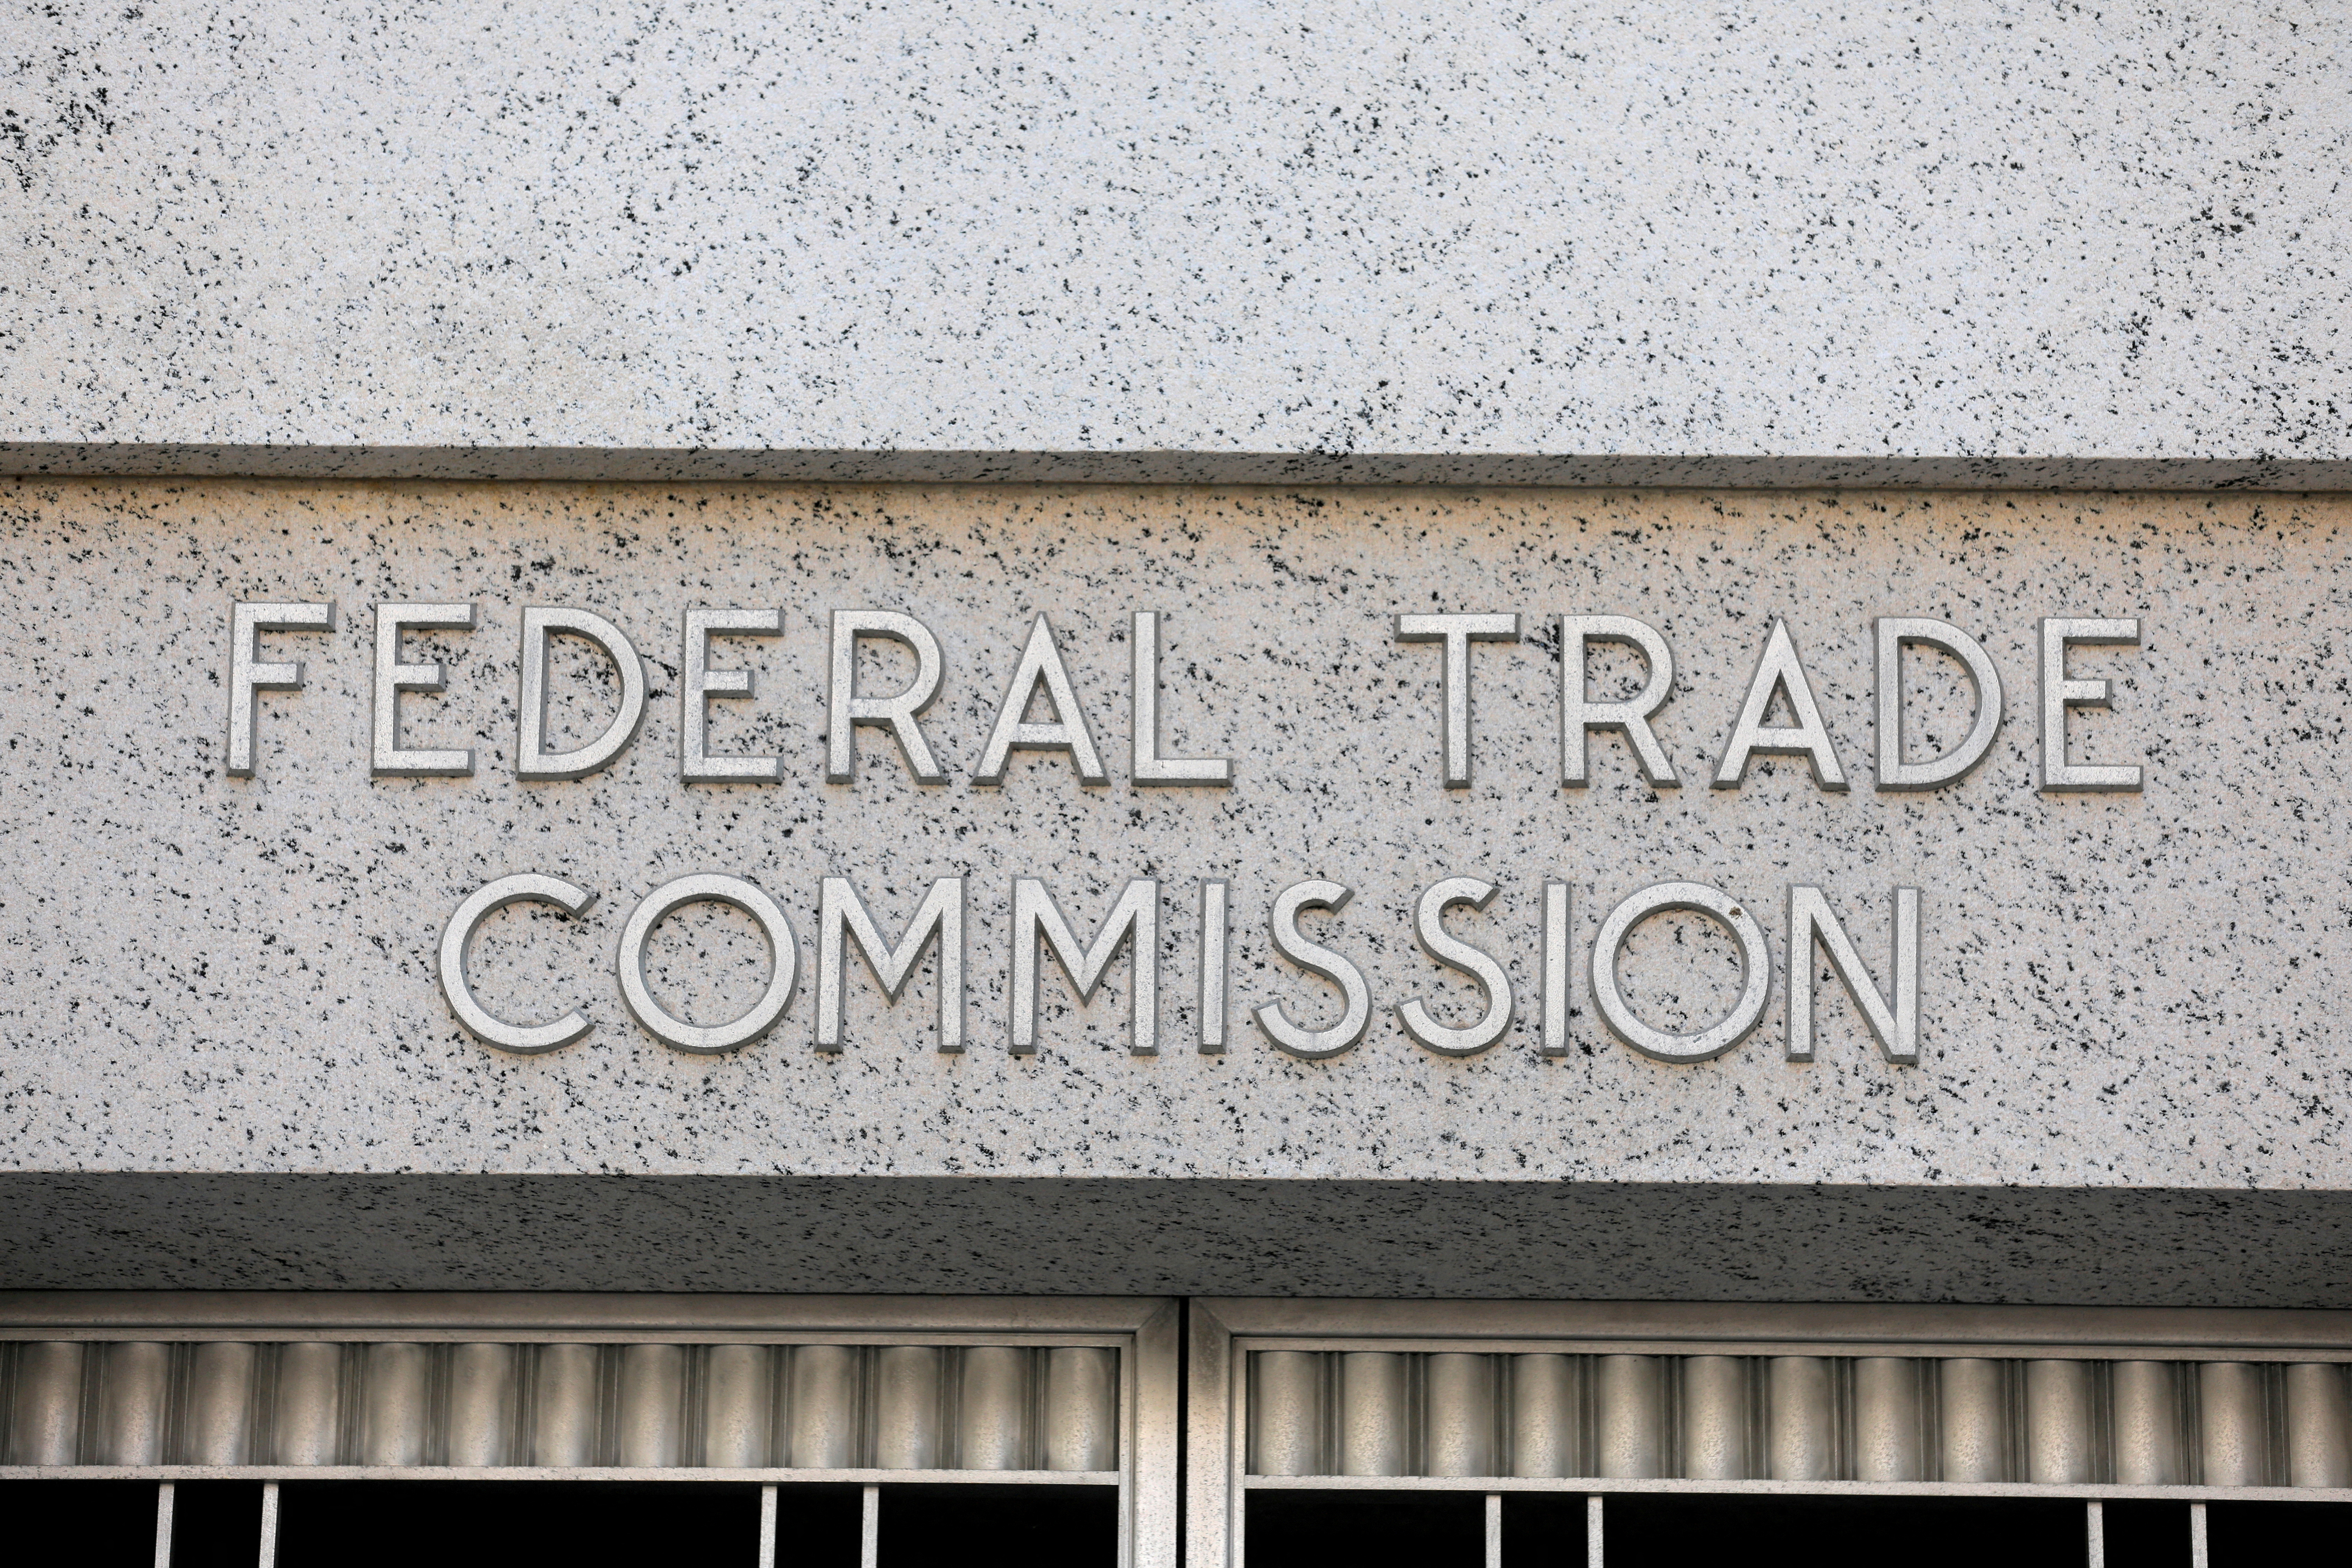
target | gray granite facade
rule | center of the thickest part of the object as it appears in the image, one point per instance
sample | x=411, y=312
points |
x=1980, y=243
x=2123, y=993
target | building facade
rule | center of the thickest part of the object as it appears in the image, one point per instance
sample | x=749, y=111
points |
x=831, y=785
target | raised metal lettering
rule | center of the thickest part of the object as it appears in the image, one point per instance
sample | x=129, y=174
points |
x=1896, y=1026
x=532, y=759
x=457, y=938
x=1215, y=922
x=1151, y=767
x=1457, y=632
x=1579, y=716
x=784, y=959
x=249, y=675
x=700, y=683
x=848, y=709
x=387, y=758
x=1892, y=633
x=1779, y=668
x=842, y=919
x=1429, y=930
x=2059, y=693
x=1314, y=1045
x=1041, y=663
x=1558, y=979
x=1037, y=922
x=1755, y=969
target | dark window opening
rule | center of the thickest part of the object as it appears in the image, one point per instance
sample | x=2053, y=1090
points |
x=995, y=1527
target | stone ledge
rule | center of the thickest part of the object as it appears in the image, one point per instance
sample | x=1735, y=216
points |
x=1029, y=1235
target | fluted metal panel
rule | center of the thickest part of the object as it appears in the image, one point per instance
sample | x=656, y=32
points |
x=2058, y=1422
x=220, y=1425
x=1543, y=1414
x=1974, y=1425
x=821, y=1430
x=133, y=1409
x=736, y=1400
x=307, y=1415
x=482, y=1379
x=45, y=1427
x=2144, y=1423
x=1081, y=1408
x=1800, y=1423
x=1629, y=1436
x=907, y=1407
x=1285, y=1413
x=563, y=1404
x=393, y=1415
x=992, y=1429
x=1458, y=1419
x=1888, y=1430
x=2318, y=1425
x=1715, y=1418
x=651, y=1425
x=1375, y=1432
x=2232, y=1421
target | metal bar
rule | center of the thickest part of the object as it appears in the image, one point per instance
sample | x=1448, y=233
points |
x=1149, y=1443
x=577, y=1473
x=2095, y=1529
x=1494, y=1530
x=164, y=1502
x=1682, y=1486
x=1934, y=1350
x=1593, y=1556
x=767, y=1526
x=268, y=1524
x=618, y=1318
x=2200, y=1555
x=869, y=1528
x=1756, y=1329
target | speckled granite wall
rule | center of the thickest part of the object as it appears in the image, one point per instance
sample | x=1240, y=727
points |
x=2127, y=997
x=1988, y=240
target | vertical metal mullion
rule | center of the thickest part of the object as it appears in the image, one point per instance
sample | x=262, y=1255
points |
x=2200, y=1555
x=268, y=1524
x=2094, y=1532
x=869, y=1529
x=1494, y=1530
x=1594, y=1555
x=767, y=1527
x=164, y=1499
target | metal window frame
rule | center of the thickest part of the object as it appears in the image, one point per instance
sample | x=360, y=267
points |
x=1144, y=1329
x=1223, y=1332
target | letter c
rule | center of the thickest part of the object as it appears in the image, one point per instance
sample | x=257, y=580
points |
x=524, y=1040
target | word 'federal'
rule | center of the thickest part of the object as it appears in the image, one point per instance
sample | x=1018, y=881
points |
x=1779, y=674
